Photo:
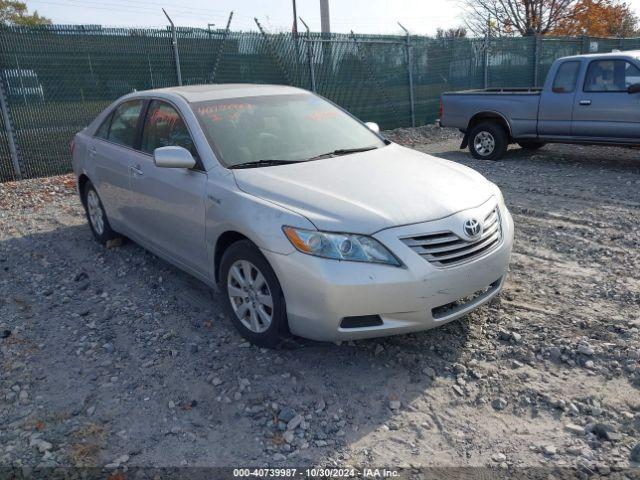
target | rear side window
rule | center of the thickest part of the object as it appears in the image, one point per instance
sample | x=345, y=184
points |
x=164, y=127
x=566, y=78
x=611, y=76
x=103, y=130
x=125, y=123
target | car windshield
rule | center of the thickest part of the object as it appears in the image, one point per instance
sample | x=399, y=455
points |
x=266, y=130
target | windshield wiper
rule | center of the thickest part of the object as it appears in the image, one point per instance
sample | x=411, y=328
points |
x=264, y=163
x=342, y=151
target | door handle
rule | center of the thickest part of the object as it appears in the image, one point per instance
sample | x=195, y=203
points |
x=585, y=102
x=92, y=150
x=136, y=171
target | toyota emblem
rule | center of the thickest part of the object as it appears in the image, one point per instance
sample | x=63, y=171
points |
x=472, y=228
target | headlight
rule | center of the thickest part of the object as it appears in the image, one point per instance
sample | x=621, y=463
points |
x=340, y=246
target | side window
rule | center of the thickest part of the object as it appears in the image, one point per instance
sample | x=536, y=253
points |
x=103, y=129
x=125, y=122
x=566, y=78
x=163, y=128
x=610, y=76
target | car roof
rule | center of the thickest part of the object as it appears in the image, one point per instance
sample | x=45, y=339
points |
x=201, y=93
x=626, y=53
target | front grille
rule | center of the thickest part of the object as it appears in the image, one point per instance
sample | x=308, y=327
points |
x=445, y=249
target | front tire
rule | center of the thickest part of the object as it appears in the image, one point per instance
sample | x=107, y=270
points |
x=488, y=141
x=252, y=296
x=96, y=215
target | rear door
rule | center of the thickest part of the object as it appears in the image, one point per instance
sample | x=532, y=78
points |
x=603, y=108
x=169, y=203
x=557, y=99
x=110, y=153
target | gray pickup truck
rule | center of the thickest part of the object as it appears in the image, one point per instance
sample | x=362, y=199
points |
x=587, y=99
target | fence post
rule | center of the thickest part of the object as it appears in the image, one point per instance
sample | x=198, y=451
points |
x=174, y=44
x=536, y=60
x=309, y=42
x=8, y=126
x=485, y=66
x=275, y=54
x=410, y=71
x=222, y=43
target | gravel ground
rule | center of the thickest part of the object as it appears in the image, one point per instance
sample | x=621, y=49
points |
x=114, y=357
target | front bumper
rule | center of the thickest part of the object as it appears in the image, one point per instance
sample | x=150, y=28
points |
x=320, y=293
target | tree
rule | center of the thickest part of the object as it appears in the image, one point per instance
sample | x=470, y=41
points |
x=16, y=13
x=599, y=18
x=457, y=32
x=512, y=17
x=557, y=17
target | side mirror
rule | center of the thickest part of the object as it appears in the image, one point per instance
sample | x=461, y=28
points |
x=635, y=88
x=173, y=157
x=373, y=127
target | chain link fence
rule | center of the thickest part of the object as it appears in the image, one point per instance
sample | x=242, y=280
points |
x=55, y=79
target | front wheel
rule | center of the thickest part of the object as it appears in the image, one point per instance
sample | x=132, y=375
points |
x=488, y=141
x=252, y=295
x=531, y=144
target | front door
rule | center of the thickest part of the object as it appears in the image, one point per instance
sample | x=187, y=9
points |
x=603, y=109
x=169, y=203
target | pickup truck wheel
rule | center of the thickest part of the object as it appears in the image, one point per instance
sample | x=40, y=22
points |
x=531, y=144
x=252, y=296
x=488, y=141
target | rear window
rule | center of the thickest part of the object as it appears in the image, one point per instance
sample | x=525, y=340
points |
x=124, y=123
x=566, y=78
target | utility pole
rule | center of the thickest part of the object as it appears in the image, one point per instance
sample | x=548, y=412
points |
x=295, y=31
x=295, y=20
x=325, y=28
x=324, y=18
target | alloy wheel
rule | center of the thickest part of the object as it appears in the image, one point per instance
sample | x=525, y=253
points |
x=250, y=296
x=96, y=215
x=484, y=143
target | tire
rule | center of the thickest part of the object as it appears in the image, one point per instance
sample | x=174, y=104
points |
x=96, y=215
x=252, y=296
x=488, y=141
x=531, y=144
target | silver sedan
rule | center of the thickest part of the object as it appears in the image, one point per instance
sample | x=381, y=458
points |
x=306, y=219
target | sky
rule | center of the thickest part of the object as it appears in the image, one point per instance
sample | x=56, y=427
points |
x=362, y=16
x=421, y=17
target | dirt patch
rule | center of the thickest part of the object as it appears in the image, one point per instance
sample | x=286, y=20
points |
x=112, y=356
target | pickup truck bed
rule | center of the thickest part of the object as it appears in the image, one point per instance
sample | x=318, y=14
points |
x=589, y=99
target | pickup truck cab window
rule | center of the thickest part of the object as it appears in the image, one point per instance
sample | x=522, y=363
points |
x=124, y=123
x=610, y=76
x=566, y=78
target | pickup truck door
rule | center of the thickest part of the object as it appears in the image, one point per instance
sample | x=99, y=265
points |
x=603, y=109
x=557, y=99
x=169, y=203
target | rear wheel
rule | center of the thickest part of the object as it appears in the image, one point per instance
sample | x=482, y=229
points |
x=488, y=141
x=531, y=144
x=96, y=215
x=252, y=295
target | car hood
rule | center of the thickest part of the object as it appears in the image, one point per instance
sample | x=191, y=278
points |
x=369, y=191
